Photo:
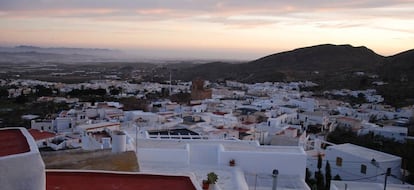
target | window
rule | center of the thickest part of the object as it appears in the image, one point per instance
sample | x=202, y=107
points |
x=363, y=169
x=338, y=161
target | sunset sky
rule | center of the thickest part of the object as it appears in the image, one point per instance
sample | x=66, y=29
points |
x=231, y=29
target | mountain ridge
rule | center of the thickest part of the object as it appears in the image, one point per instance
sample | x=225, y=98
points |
x=297, y=64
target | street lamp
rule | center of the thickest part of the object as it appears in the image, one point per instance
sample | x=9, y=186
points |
x=136, y=133
x=274, y=175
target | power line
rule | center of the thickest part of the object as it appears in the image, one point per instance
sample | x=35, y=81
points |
x=364, y=177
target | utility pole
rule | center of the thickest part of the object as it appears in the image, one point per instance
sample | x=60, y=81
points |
x=170, y=84
x=386, y=175
x=136, y=139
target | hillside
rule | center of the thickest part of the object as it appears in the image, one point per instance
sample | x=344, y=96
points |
x=398, y=71
x=309, y=63
x=331, y=66
x=399, y=67
x=325, y=57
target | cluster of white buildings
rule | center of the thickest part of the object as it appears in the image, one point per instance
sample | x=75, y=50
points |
x=18, y=87
x=262, y=127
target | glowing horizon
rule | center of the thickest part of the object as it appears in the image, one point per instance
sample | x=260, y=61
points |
x=232, y=29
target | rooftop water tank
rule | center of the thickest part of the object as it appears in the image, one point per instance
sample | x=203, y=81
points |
x=118, y=142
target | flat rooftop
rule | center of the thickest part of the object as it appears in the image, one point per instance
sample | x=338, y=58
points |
x=77, y=159
x=124, y=181
x=12, y=141
x=95, y=126
x=40, y=135
x=364, y=152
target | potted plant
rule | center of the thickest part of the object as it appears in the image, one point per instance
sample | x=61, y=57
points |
x=206, y=184
x=212, y=177
x=210, y=181
x=232, y=162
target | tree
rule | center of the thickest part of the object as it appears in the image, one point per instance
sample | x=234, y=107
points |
x=181, y=97
x=164, y=92
x=319, y=180
x=310, y=181
x=4, y=93
x=21, y=99
x=319, y=175
x=43, y=91
x=319, y=162
x=114, y=91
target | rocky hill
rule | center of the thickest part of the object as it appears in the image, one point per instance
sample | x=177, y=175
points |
x=325, y=57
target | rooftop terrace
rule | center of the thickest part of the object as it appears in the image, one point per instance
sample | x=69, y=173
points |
x=230, y=145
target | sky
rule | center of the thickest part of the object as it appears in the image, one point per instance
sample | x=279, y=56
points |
x=228, y=29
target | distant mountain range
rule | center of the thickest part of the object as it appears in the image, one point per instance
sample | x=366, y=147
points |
x=24, y=53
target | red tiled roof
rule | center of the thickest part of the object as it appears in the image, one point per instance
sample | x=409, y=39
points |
x=247, y=123
x=219, y=113
x=12, y=141
x=39, y=135
x=95, y=180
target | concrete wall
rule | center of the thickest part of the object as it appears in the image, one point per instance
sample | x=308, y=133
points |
x=266, y=162
x=204, y=154
x=179, y=156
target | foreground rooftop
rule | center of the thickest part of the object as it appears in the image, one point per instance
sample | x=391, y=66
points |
x=126, y=181
x=348, y=185
x=12, y=141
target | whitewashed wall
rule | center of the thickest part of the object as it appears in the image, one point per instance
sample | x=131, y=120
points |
x=260, y=160
x=24, y=171
x=162, y=155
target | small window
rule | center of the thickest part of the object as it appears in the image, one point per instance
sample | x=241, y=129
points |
x=338, y=161
x=363, y=169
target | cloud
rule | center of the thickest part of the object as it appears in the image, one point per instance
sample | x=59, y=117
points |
x=198, y=6
x=231, y=13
